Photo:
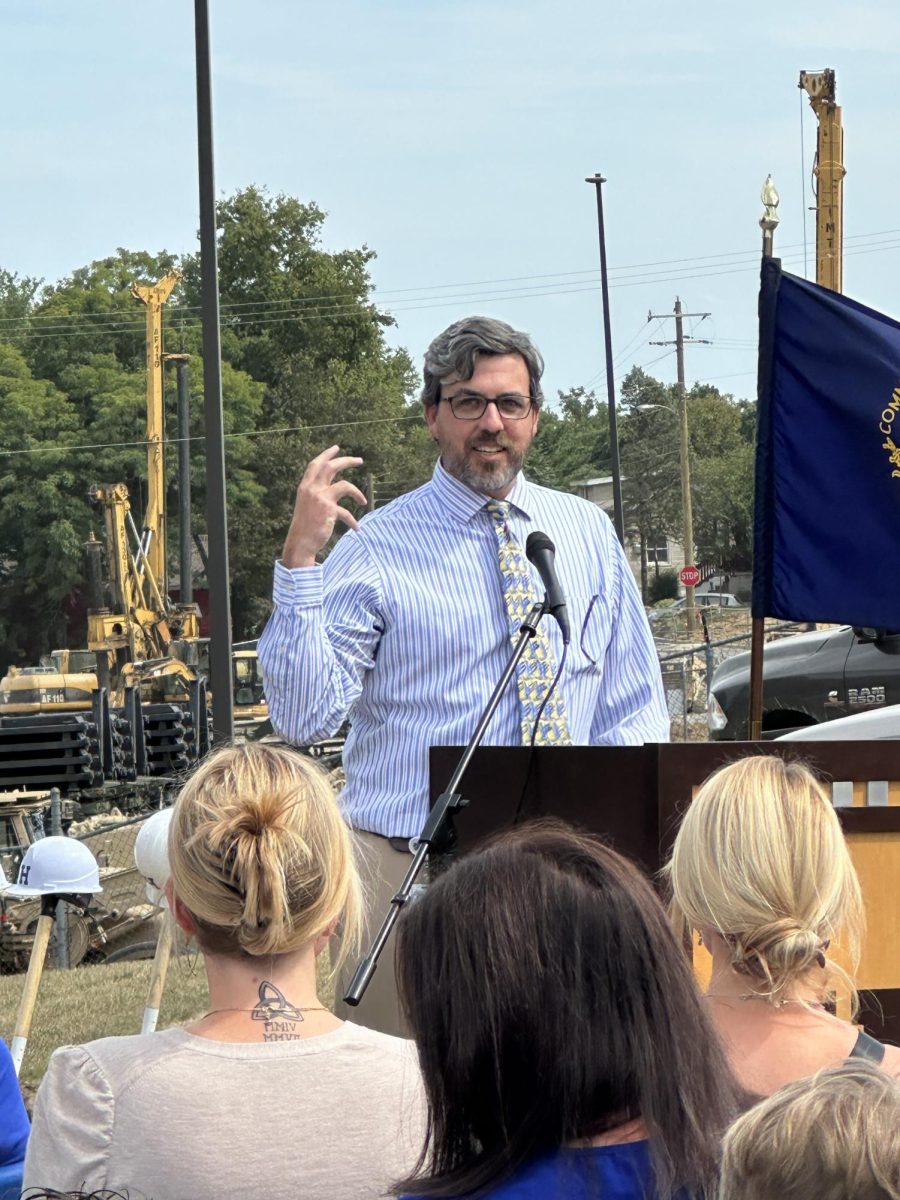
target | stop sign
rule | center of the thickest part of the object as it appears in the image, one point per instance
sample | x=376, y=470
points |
x=689, y=576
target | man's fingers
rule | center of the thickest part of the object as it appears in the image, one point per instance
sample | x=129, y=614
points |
x=347, y=518
x=345, y=489
x=329, y=462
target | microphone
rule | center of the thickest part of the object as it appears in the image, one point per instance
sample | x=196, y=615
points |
x=541, y=552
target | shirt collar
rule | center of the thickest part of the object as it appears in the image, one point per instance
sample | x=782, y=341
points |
x=462, y=503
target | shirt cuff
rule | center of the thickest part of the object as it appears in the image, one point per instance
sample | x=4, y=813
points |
x=297, y=587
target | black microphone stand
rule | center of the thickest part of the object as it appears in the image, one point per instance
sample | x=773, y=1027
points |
x=437, y=831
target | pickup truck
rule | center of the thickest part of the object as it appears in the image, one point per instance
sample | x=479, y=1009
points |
x=808, y=679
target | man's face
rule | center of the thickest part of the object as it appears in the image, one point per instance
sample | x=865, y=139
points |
x=486, y=454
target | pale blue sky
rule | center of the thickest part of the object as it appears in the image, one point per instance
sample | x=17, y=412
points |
x=454, y=139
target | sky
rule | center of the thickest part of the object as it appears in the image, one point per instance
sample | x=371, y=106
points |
x=453, y=139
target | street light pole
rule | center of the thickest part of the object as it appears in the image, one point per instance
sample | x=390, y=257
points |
x=618, y=518
x=216, y=513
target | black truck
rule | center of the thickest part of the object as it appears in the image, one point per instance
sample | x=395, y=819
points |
x=808, y=679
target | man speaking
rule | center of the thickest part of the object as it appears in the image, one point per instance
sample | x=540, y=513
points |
x=408, y=624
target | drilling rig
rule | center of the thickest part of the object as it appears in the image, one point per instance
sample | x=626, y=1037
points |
x=829, y=172
x=136, y=636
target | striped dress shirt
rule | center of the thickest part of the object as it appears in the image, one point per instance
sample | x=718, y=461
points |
x=405, y=629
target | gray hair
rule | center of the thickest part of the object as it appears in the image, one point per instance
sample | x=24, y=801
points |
x=454, y=352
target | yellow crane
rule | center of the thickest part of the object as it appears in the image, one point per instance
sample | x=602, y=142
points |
x=829, y=172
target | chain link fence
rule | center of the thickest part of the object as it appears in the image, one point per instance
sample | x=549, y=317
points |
x=688, y=666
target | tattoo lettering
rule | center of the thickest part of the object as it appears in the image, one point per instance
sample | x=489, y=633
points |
x=279, y=1015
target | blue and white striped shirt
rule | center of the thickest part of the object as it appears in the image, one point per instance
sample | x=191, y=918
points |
x=405, y=628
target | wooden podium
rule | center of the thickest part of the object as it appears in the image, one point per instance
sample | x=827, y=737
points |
x=634, y=796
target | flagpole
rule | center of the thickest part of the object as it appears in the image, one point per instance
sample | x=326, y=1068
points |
x=767, y=223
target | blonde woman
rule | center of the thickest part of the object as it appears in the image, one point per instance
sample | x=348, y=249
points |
x=760, y=870
x=835, y=1136
x=267, y=1092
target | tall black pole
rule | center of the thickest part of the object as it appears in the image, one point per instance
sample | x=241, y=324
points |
x=216, y=515
x=185, y=554
x=618, y=519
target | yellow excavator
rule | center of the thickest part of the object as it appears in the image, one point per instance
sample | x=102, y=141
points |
x=136, y=636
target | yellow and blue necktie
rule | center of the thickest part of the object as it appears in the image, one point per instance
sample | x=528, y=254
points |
x=537, y=667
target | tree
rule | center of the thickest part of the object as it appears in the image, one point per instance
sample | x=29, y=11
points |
x=650, y=464
x=304, y=364
x=572, y=443
x=42, y=523
x=92, y=311
x=299, y=320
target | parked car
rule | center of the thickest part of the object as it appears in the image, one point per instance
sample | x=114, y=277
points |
x=808, y=679
x=876, y=725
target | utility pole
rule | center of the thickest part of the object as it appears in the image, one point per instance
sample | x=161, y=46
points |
x=687, y=507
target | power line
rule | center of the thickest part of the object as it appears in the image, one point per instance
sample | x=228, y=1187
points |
x=337, y=302
x=246, y=433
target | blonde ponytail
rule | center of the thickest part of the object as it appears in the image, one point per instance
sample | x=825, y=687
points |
x=260, y=854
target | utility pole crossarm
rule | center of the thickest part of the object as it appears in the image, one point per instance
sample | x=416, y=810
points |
x=688, y=341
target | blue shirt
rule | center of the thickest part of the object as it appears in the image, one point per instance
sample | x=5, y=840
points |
x=14, y=1126
x=405, y=628
x=621, y=1172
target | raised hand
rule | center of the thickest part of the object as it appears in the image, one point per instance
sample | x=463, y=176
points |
x=317, y=507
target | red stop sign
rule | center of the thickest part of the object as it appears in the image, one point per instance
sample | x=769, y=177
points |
x=689, y=576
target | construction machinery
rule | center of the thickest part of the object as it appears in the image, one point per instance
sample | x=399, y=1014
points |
x=829, y=172
x=136, y=636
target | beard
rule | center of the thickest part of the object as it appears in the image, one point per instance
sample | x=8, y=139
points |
x=482, y=474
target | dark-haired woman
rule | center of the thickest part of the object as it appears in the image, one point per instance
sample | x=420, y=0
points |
x=563, y=1044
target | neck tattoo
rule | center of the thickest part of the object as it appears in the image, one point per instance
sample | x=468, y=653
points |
x=278, y=1015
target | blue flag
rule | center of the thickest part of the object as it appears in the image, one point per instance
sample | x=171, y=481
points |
x=826, y=532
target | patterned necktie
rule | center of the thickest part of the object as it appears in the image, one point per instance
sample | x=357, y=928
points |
x=537, y=666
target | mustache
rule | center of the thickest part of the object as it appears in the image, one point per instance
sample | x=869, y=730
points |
x=484, y=440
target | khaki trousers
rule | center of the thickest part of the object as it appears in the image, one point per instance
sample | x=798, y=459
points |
x=382, y=868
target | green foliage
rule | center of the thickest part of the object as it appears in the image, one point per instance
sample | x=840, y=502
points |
x=573, y=442
x=304, y=365
x=92, y=312
x=721, y=441
x=42, y=527
x=663, y=585
x=649, y=458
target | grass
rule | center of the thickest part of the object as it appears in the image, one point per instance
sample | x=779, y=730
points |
x=97, y=1001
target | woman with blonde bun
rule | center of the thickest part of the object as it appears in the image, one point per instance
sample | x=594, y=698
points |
x=267, y=1092
x=761, y=871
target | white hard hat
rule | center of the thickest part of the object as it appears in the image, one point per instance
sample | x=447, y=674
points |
x=57, y=866
x=151, y=853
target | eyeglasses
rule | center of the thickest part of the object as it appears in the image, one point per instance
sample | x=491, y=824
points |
x=469, y=406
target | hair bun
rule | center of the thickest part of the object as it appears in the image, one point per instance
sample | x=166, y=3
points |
x=781, y=946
